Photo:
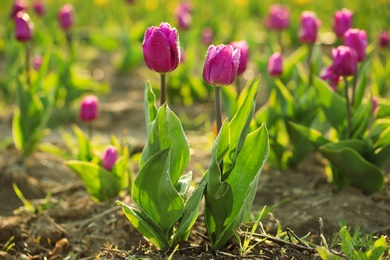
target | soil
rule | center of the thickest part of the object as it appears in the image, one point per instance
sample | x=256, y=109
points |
x=68, y=224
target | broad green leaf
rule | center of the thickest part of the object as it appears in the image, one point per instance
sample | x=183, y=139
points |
x=141, y=224
x=84, y=146
x=383, y=107
x=150, y=104
x=361, y=83
x=384, y=138
x=355, y=144
x=266, y=114
x=381, y=155
x=346, y=242
x=378, y=127
x=99, y=183
x=154, y=192
x=183, y=185
x=377, y=249
x=359, y=171
x=285, y=101
x=166, y=131
x=289, y=64
x=314, y=136
x=325, y=254
x=332, y=104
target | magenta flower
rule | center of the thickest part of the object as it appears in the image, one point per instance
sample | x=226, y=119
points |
x=110, y=156
x=342, y=21
x=184, y=20
x=161, y=48
x=39, y=8
x=309, y=27
x=89, y=108
x=374, y=104
x=244, y=50
x=221, y=65
x=344, y=61
x=357, y=40
x=384, y=39
x=37, y=62
x=275, y=65
x=329, y=75
x=278, y=18
x=66, y=17
x=19, y=5
x=24, y=27
x=207, y=36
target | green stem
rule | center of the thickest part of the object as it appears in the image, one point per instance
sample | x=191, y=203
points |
x=218, y=110
x=68, y=36
x=279, y=36
x=309, y=64
x=348, y=109
x=354, y=89
x=90, y=131
x=163, y=86
x=28, y=78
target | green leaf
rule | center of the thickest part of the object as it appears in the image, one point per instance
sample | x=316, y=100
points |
x=100, y=184
x=377, y=249
x=381, y=155
x=361, y=83
x=351, y=164
x=383, y=107
x=150, y=104
x=183, y=185
x=154, y=192
x=346, y=242
x=229, y=101
x=84, y=147
x=121, y=169
x=314, y=136
x=285, y=101
x=290, y=63
x=325, y=254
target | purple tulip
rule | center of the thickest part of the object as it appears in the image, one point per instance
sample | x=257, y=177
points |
x=374, y=104
x=221, y=65
x=342, y=22
x=344, y=61
x=24, y=27
x=19, y=5
x=329, y=75
x=89, y=108
x=357, y=40
x=309, y=27
x=275, y=65
x=244, y=50
x=184, y=20
x=161, y=48
x=278, y=18
x=37, y=62
x=110, y=156
x=66, y=17
x=384, y=39
x=207, y=36
x=39, y=8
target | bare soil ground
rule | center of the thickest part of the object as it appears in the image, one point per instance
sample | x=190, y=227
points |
x=69, y=225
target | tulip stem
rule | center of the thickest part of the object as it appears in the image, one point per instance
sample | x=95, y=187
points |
x=163, y=87
x=348, y=109
x=68, y=36
x=28, y=79
x=354, y=89
x=309, y=64
x=90, y=131
x=279, y=36
x=218, y=110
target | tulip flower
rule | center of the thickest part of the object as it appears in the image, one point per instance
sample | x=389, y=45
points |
x=344, y=61
x=275, y=65
x=183, y=16
x=244, y=50
x=37, y=62
x=278, y=18
x=24, y=27
x=384, y=39
x=374, y=104
x=329, y=75
x=161, y=50
x=110, y=156
x=342, y=22
x=357, y=40
x=39, y=8
x=207, y=36
x=309, y=27
x=19, y=5
x=220, y=69
x=66, y=17
x=89, y=111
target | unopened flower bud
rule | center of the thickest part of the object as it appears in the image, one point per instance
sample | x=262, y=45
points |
x=110, y=156
x=384, y=39
x=66, y=17
x=278, y=18
x=357, y=40
x=39, y=8
x=89, y=108
x=275, y=65
x=37, y=62
x=344, y=61
x=309, y=27
x=342, y=21
x=24, y=27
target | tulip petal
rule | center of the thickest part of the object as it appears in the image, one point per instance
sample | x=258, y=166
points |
x=221, y=66
x=206, y=68
x=157, y=53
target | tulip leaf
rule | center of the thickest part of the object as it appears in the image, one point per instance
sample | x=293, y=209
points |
x=183, y=185
x=384, y=138
x=360, y=120
x=361, y=83
x=150, y=104
x=285, y=101
x=292, y=60
x=154, y=192
x=383, y=107
x=314, y=136
x=359, y=172
x=121, y=169
x=100, y=183
x=84, y=147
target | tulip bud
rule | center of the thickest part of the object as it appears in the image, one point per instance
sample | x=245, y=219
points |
x=89, y=108
x=374, y=104
x=24, y=27
x=184, y=20
x=329, y=75
x=275, y=65
x=384, y=39
x=37, y=62
x=344, y=61
x=207, y=36
x=309, y=27
x=39, y=8
x=357, y=40
x=66, y=17
x=278, y=18
x=19, y=5
x=244, y=50
x=342, y=22
x=161, y=48
x=221, y=65
x=109, y=157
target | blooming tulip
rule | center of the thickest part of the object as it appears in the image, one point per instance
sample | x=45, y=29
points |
x=37, y=62
x=278, y=18
x=19, y=5
x=39, y=8
x=207, y=36
x=161, y=48
x=342, y=22
x=89, y=108
x=110, y=156
x=24, y=27
x=384, y=39
x=329, y=75
x=275, y=65
x=344, y=61
x=244, y=50
x=357, y=40
x=309, y=27
x=221, y=65
x=66, y=17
